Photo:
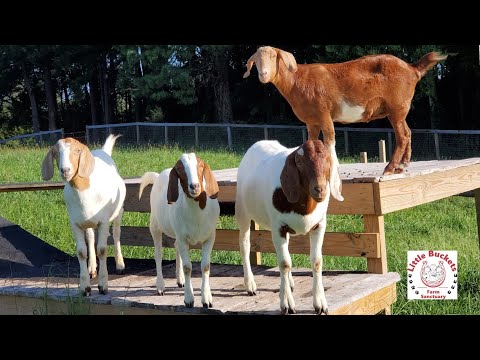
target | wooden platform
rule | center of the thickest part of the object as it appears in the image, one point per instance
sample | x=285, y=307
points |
x=346, y=292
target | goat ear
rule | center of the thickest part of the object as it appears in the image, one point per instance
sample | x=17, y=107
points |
x=212, y=186
x=172, y=191
x=47, y=165
x=249, y=66
x=86, y=162
x=290, y=179
x=288, y=59
x=335, y=181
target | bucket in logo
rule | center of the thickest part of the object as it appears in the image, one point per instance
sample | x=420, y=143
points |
x=432, y=275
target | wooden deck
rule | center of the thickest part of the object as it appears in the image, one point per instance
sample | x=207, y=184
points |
x=346, y=292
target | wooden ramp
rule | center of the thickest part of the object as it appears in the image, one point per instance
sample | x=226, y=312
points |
x=346, y=292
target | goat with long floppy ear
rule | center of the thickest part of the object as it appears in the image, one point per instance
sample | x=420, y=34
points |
x=86, y=162
x=290, y=179
x=288, y=59
x=211, y=187
x=47, y=165
x=172, y=191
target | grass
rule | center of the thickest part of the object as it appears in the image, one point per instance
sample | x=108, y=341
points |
x=447, y=224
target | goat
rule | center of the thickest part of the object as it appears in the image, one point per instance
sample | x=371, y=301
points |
x=360, y=90
x=94, y=194
x=184, y=206
x=286, y=191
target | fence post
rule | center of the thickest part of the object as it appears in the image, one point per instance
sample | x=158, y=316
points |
x=345, y=135
x=382, y=156
x=363, y=157
x=265, y=132
x=255, y=256
x=390, y=144
x=138, y=134
x=196, y=135
x=87, y=136
x=229, y=137
x=437, y=145
x=166, y=134
x=304, y=135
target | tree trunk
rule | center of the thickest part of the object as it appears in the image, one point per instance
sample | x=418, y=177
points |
x=221, y=91
x=139, y=113
x=33, y=100
x=105, y=90
x=112, y=79
x=51, y=101
x=129, y=102
x=94, y=96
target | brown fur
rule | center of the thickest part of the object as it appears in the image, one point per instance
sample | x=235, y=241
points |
x=81, y=159
x=203, y=170
x=299, y=177
x=383, y=85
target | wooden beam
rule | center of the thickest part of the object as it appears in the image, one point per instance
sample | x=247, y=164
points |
x=255, y=256
x=375, y=224
x=378, y=301
x=336, y=244
x=35, y=186
x=412, y=191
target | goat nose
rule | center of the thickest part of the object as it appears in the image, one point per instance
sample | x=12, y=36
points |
x=194, y=186
x=318, y=188
x=65, y=170
x=263, y=73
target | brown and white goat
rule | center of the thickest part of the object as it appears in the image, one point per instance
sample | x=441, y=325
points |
x=286, y=191
x=184, y=206
x=94, y=194
x=360, y=90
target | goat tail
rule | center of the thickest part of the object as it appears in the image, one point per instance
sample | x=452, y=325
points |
x=147, y=179
x=427, y=62
x=109, y=143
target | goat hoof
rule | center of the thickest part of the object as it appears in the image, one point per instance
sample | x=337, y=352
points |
x=291, y=310
x=209, y=305
x=102, y=290
x=120, y=271
x=188, y=305
x=180, y=285
x=319, y=311
x=251, y=293
x=93, y=275
x=87, y=291
x=161, y=292
x=284, y=311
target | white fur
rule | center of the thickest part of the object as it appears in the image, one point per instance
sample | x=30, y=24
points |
x=187, y=223
x=95, y=208
x=349, y=114
x=258, y=177
x=335, y=174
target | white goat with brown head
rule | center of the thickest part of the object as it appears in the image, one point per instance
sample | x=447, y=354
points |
x=286, y=191
x=184, y=206
x=94, y=194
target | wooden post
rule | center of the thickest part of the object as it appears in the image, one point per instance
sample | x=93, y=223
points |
x=229, y=137
x=196, y=135
x=375, y=224
x=87, y=136
x=382, y=155
x=390, y=144
x=265, y=132
x=363, y=157
x=166, y=135
x=255, y=256
x=437, y=145
x=138, y=134
x=304, y=135
x=345, y=135
x=477, y=208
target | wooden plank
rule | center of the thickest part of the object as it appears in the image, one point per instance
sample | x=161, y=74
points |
x=255, y=256
x=358, y=200
x=33, y=186
x=477, y=209
x=370, y=304
x=408, y=192
x=375, y=224
x=336, y=244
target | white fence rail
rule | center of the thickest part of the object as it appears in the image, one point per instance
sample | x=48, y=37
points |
x=41, y=138
x=427, y=144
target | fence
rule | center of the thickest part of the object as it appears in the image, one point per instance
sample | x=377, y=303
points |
x=41, y=138
x=426, y=144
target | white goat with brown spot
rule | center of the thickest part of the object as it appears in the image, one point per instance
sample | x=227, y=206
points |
x=94, y=194
x=184, y=206
x=286, y=191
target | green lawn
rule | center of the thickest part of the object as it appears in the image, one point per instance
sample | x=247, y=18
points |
x=447, y=224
